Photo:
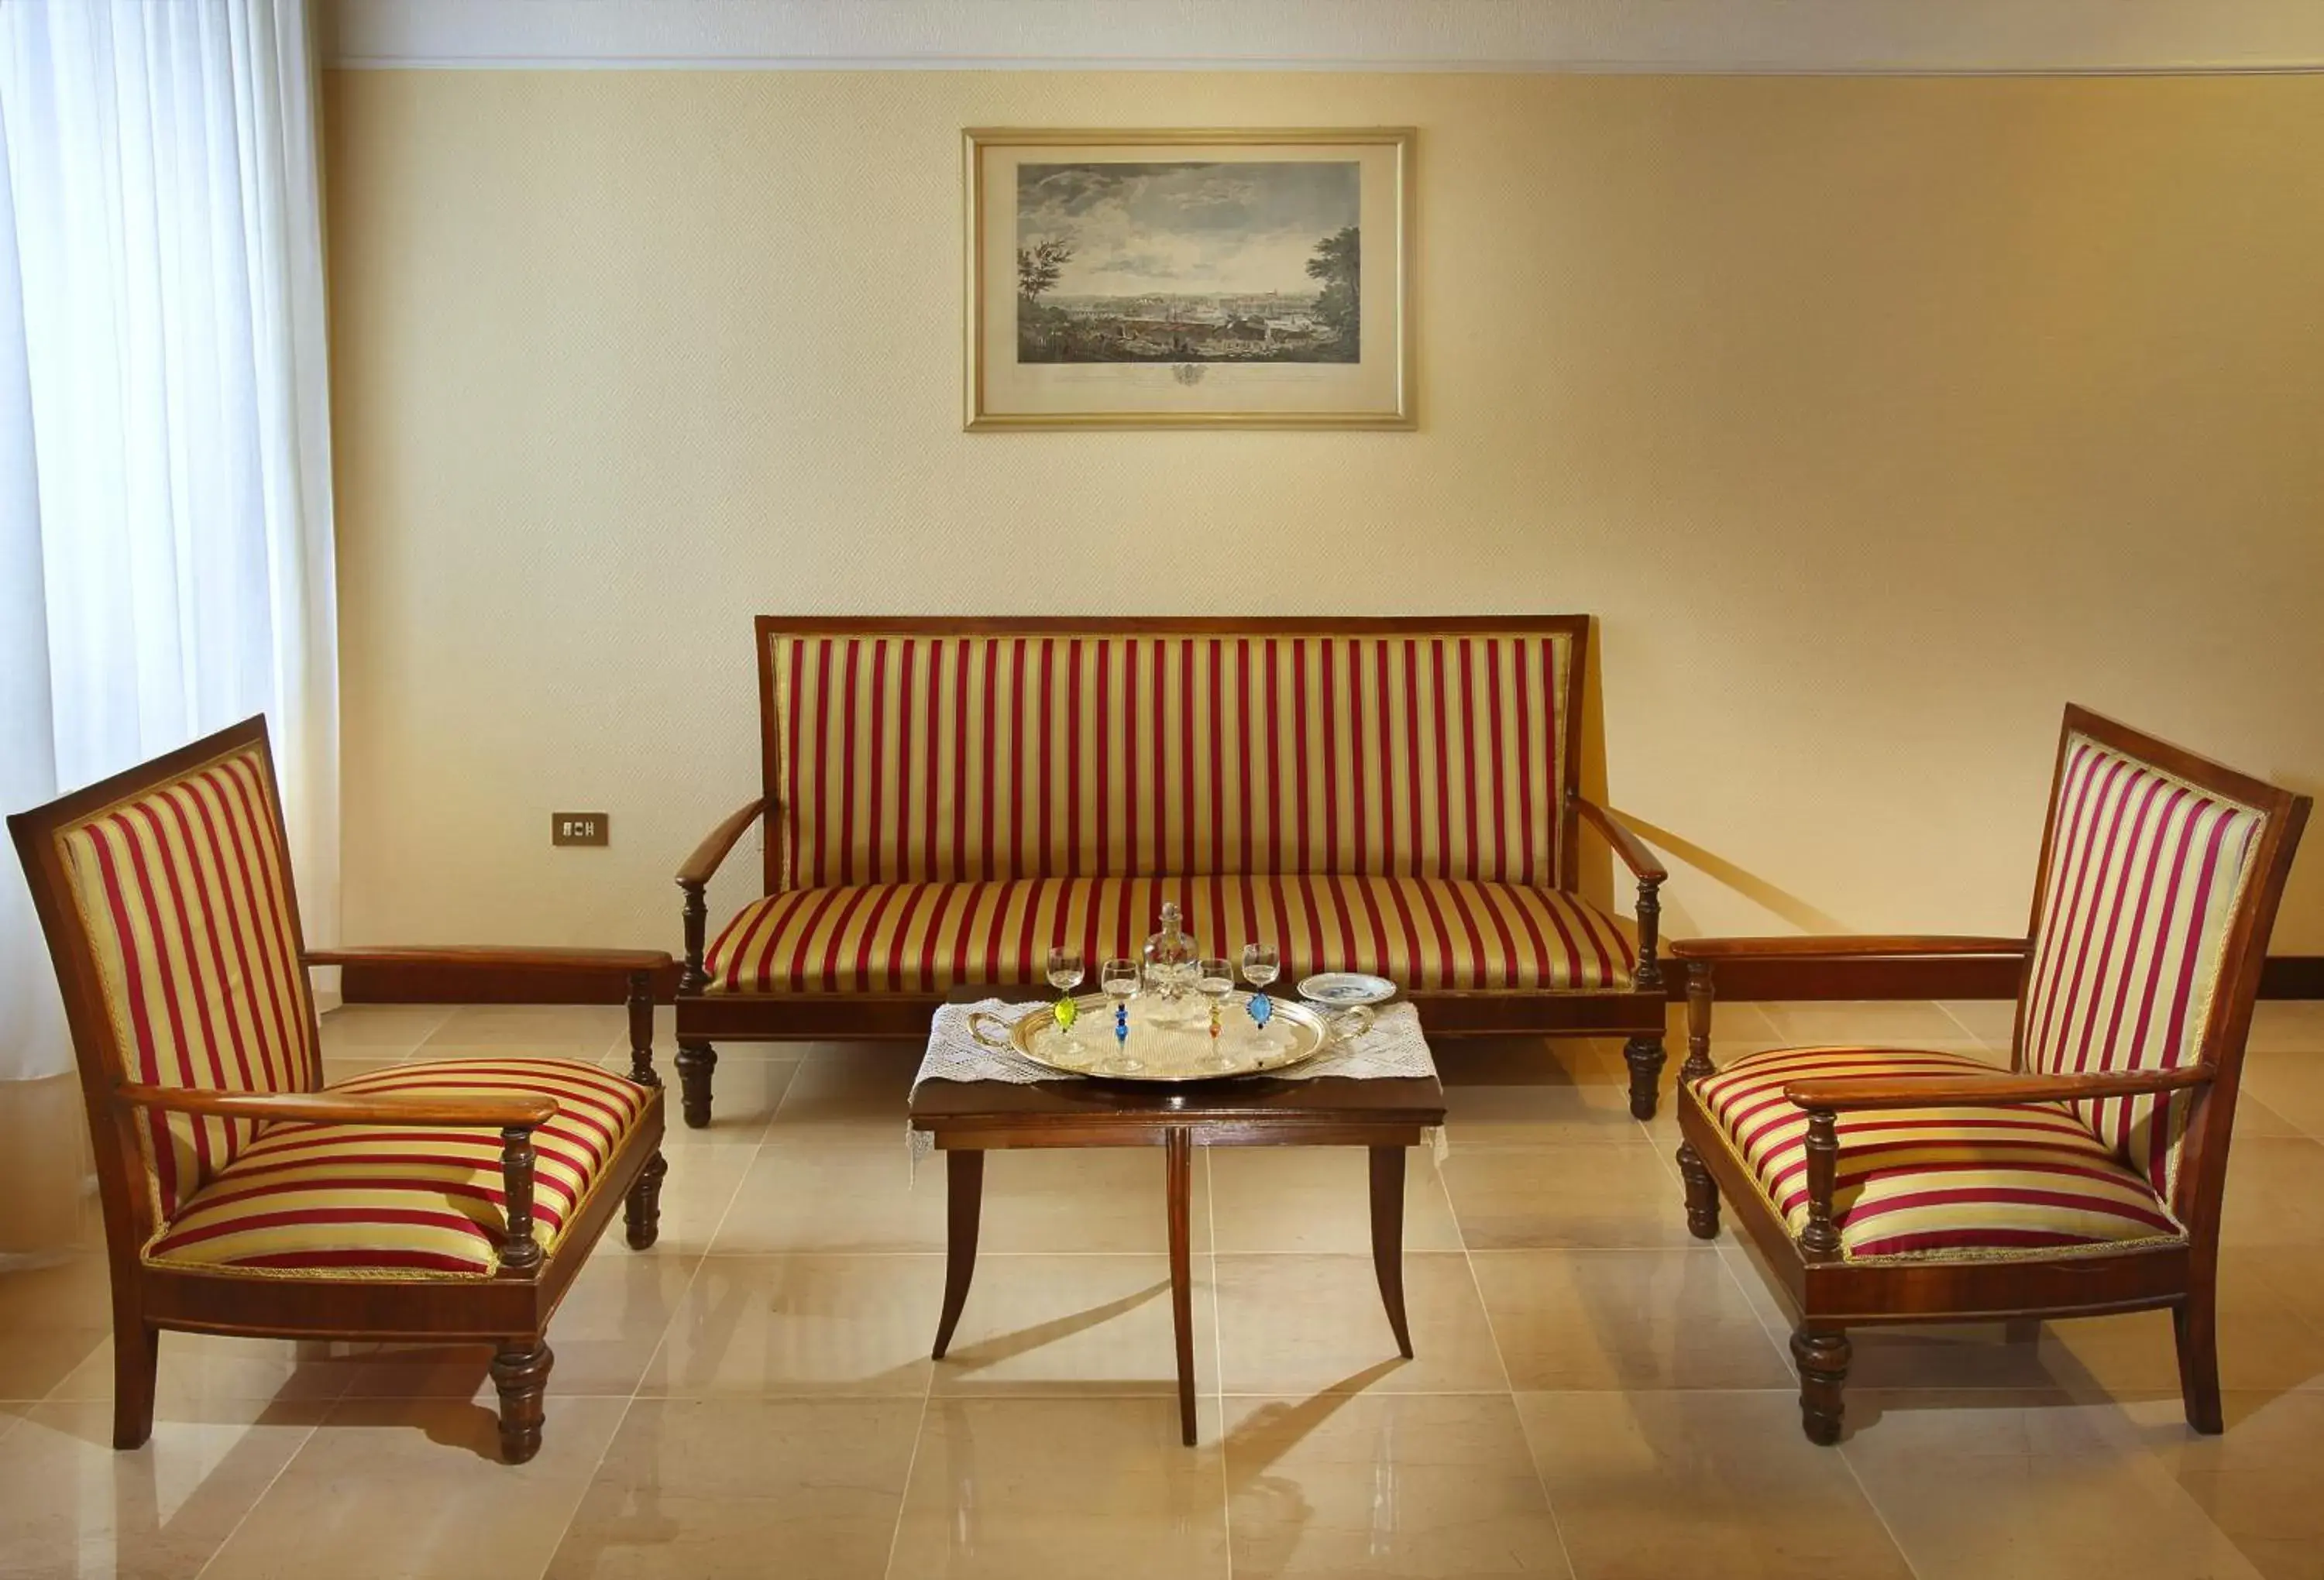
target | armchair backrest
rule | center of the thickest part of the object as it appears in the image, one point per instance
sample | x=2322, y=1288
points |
x=2160, y=879
x=165, y=893
x=915, y=750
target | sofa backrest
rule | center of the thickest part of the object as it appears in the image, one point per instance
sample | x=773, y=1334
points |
x=903, y=751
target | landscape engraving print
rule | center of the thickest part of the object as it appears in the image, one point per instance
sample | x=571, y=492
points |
x=1189, y=261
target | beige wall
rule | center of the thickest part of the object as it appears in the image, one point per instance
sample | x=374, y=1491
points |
x=1875, y=418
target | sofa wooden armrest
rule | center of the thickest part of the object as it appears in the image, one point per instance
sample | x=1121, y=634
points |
x=1844, y=946
x=2001, y=1089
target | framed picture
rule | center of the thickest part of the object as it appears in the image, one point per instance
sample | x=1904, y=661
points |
x=1213, y=278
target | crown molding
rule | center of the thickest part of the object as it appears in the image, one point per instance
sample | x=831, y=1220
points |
x=1870, y=37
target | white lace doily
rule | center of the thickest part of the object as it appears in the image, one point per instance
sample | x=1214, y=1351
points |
x=1393, y=1049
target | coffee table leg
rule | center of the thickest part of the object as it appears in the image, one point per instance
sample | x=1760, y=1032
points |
x=964, y=1203
x=1387, y=1238
x=1178, y=1146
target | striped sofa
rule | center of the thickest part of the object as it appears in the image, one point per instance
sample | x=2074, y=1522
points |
x=942, y=805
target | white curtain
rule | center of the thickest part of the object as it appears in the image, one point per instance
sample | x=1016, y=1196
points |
x=165, y=504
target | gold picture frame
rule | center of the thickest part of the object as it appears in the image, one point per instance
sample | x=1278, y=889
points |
x=1154, y=292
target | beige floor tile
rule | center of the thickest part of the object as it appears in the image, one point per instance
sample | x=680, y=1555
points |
x=1974, y=1486
x=1394, y=1484
x=1991, y=1021
x=817, y=1198
x=409, y=1488
x=2294, y=1025
x=1286, y=1198
x=1576, y=1320
x=851, y=1092
x=749, y=1092
x=72, y=1504
x=703, y=1487
x=1100, y=1324
x=2254, y=1117
x=2262, y=1482
x=1080, y=1198
x=1524, y=1197
x=54, y=1317
x=1736, y=1018
x=1562, y=1093
x=1663, y=1486
x=802, y=1325
x=590, y=1026
x=1314, y=1324
x=1907, y=1022
x=2273, y=1186
x=609, y=1326
x=380, y=1030
x=2292, y=1085
x=700, y=1186
x=1013, y=1488
x=198, y=1370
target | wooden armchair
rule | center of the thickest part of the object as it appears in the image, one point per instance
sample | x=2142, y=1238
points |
x=1887, y=1185
x=452, y=1200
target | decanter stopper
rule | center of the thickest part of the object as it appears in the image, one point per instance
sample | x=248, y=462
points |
x=1170, y=956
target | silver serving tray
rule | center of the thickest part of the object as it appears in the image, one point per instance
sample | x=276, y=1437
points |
x=1169, y=1038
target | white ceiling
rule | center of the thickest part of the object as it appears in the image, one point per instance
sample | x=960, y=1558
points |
x=1378, y=35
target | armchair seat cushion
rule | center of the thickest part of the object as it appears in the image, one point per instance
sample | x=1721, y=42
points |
x=2027, y=1181
x=402, y=1201
x=930, y=937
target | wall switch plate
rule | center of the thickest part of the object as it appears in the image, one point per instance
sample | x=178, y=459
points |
x=578, y=828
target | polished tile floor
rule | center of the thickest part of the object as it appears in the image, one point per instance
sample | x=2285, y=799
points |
x=1595, y=1394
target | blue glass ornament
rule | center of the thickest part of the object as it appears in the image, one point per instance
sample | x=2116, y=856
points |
x=1121, y=1022
x=1262, y=1008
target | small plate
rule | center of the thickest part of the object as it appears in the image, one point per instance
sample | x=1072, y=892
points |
x=1346, y=989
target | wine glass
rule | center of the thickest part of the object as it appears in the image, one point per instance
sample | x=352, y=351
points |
x=1261, y=965
x=1214, y=980
x=1119, y=980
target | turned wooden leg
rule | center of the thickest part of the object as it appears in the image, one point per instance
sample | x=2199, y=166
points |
x=641, y=1208
x=1698, y=1023
x=520, y=1372
x=963, y=1207
x=1646, y=1058
x=137, y=1357
x=1701, y=1193
x=1823, y=1359
x=1178, y=1147
x=2195, y=1326
x=695, y=1063
x=1387, y=1239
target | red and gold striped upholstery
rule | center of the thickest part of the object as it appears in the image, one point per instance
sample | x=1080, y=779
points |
x=2144, y=875
x=904, y=758
x=184, y=892
x=396, y=1201
x=928, y=937
x=2027, y=1181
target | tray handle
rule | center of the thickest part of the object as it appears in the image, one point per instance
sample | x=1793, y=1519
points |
x=976, y=1019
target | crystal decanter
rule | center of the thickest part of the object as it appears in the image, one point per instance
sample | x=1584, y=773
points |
x=1170, y=956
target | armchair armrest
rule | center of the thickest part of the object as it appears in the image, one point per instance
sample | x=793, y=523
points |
x=1842, y=1094
x=699, y=867
x=1845, y=946
x=1650, y=873
x=1643, y=863
x=330, y=1107
x=515, y=1114
x=693, y=878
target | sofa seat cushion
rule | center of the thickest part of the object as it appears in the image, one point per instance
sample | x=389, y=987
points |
x=403, y=1201
x=930, y=937
x=2026, y=1180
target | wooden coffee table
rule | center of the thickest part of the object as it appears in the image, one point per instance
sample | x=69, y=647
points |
x=968, y=1119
